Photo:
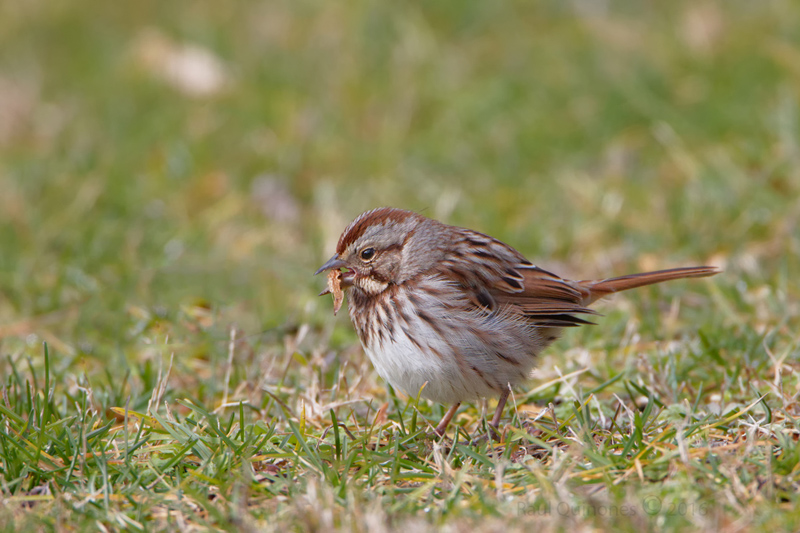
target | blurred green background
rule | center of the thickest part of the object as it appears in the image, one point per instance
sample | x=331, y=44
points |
x=180, y=167
x=172, y=171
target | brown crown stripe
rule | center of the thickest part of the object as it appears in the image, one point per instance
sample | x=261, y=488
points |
x=357, y=228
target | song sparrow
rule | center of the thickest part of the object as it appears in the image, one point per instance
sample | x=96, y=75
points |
x=456, y=313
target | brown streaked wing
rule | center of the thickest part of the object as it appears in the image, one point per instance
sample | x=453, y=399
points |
x=547, y=299
x=495, y=275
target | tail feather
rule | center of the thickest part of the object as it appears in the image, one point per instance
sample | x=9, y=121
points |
x=600, y=288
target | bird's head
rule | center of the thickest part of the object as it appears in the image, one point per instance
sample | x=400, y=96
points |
x=386, y=246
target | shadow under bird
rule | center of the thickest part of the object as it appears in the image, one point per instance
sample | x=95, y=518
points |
x=456, y=313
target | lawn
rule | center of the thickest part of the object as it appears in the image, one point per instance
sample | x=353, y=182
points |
x=171, y=175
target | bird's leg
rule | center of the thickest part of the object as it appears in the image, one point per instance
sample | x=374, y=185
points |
x=448, y=416
x=498, y=414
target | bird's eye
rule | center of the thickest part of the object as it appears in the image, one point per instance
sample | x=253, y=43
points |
x=367, y=254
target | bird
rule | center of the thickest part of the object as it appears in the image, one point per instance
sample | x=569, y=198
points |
x=453, y=314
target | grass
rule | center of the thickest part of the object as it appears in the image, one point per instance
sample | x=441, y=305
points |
x=165, y=360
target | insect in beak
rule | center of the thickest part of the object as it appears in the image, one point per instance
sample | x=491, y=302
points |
x=334, y=263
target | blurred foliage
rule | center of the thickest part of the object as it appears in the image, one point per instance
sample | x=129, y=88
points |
x=171, y=170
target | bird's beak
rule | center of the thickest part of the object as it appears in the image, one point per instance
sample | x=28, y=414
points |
x=333, y=263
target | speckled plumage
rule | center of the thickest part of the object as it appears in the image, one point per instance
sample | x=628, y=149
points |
x=455, y=313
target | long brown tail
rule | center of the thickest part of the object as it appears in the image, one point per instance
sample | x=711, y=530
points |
x=603, y=287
